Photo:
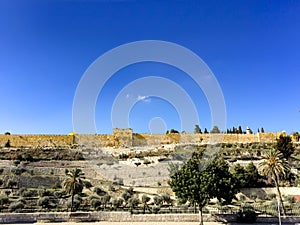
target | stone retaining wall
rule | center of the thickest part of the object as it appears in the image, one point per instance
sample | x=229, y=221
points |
x=126, y=217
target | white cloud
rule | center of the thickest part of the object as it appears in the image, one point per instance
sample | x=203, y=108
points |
x=143, y=98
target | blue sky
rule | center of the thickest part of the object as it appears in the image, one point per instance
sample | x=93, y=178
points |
x=251, y=46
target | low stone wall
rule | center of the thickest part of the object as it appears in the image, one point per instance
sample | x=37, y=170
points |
x=127, y=217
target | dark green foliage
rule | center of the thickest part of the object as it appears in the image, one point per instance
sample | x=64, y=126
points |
x=11, y=183
x=133, y=203
x=105, y=199
x=1, y=170
x=205, y=131
x=99, y=191
x=27, y=192
x=44, y=202
x=4, y=200
x=215, y=130
x=95, y=203
x=247, y=177
x=117, y=203
x=16, y=206
x=158, y=200
x=59, y=194
x=197, y=181
x=290, y=199
x=173, y=131
x=7, y=133
x=7, y=144
x=1, y=182
x=197, y=130
x=285, y=146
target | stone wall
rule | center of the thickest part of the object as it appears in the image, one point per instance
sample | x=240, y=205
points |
x=125, y=138
x=36, y=140
x=9, y=218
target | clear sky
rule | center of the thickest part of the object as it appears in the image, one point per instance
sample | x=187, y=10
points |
x=251, y=46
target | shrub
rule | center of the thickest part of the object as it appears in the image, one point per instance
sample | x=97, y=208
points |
x=290, y=199
x=155, y=209
x=11, y=183
x=99, y=191
x=1, y=170
x=117, y=203
x=4, y=200
x=7, y=144
x=95, y=203
x=271, y=196
x=16, y=206
x=44, y=202
x=27, y=193
x=59, y=194
x=158, y=200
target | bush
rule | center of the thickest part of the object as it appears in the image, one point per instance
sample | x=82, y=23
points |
x=16, y=206
x=95, y=203
x=290, y=199
x=1, y=170
x=270, y=196
x=99, y=191
x=158, y=200
x=27, y=193
x=4, y=200
x=117, y=203
x=59, y=194
x=44, y=202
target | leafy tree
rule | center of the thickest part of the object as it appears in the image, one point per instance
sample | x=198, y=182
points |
x=262, y=130
x=247, y=176
x=240, y=131
x=215, y=130
x=157, y=200
x=145, y=200
x=197, y=182
x=285, y=146
x=74, y=184
x=173, y=131
x=205, y=131
x=197, y=129
x=275, y=166
x=7, y=144
x=105, y=199
x=133, y=203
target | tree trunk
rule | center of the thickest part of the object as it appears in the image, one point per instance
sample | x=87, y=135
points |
x=200, y=215
x=72, y=203
x=279, y=195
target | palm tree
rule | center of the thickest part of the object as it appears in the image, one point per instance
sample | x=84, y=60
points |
x=74, y=183
x=275, y=166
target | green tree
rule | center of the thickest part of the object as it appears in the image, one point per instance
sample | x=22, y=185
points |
x=262, y=130
x=275, y=166
x=285, y=146
x=246, y=176
x=240, y=131
x=197, y=129
x=145, y=200
x=74, y=184
x=215, y=130
x=205, y=131
x=197, y=181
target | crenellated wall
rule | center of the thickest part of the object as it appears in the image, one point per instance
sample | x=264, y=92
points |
x=126, y=138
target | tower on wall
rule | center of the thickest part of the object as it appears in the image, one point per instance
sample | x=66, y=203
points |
x=123, y=137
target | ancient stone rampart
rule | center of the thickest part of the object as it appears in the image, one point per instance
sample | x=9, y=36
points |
x=126, y=138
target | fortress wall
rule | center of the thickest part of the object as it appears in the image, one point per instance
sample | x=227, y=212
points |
x=269, y=137
x=125, y=137
x=36, y=140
